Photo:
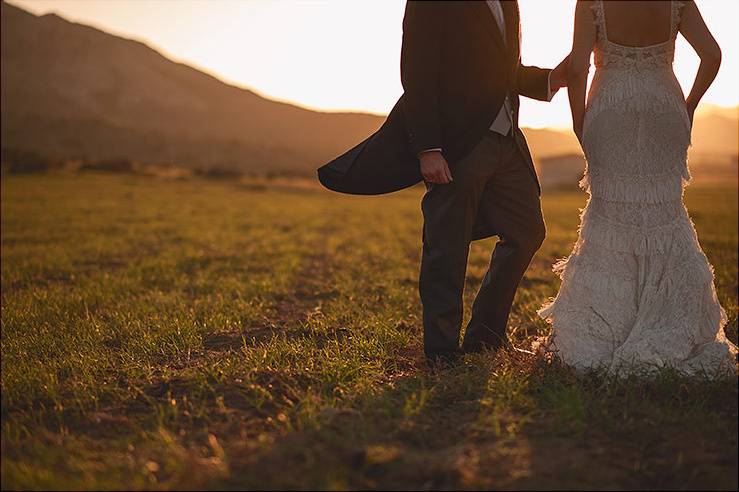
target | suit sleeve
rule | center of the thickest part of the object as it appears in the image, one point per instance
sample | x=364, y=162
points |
x=533, y=82
x=423, y=27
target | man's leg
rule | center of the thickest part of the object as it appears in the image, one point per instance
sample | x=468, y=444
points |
x=449, y=213
x=510, y=202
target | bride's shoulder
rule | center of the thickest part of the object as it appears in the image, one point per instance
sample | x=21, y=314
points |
x=584, y=5
x=587, y=8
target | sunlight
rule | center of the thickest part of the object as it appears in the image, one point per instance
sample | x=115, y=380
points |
x=344, y=55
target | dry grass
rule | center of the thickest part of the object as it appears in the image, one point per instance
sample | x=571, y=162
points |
x=197, y=334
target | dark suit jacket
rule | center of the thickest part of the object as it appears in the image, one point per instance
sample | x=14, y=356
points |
x=456, y=71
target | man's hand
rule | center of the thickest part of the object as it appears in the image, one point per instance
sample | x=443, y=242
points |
x=558, y=77
x=434, y=167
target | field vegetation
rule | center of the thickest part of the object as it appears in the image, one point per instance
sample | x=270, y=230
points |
x=169, y=334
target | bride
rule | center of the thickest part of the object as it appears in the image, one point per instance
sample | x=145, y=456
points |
x=637, y=290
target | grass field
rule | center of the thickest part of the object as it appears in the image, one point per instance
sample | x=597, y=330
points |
x=200, y=334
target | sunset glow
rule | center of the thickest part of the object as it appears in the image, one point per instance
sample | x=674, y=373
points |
x=344, y=55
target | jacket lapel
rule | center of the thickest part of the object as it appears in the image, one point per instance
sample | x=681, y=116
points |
x=513, y=33
x=483, y=14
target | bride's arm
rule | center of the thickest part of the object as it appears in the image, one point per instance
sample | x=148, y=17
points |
x=577, y=69
x=700, y=38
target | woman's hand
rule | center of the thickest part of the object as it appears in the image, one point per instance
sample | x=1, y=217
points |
x=579, y=63
x=577, y=127
x=578, y=134
x=558, y=76
x=690, y=107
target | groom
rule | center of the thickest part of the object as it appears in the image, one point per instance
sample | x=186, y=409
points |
x=456, y=128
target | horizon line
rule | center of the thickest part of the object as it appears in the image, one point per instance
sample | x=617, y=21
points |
x=706, y=106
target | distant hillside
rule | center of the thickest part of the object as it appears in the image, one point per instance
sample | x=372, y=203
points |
x=561, y=172
x=70, y=90
x=716, y=131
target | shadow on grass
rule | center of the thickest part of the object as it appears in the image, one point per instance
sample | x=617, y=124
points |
x=506, y=422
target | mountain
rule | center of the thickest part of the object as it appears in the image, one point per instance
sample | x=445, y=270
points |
x=546, y=143
x=70, y=90
x=716, y=131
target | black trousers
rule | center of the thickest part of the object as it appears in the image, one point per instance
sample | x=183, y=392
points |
x=493, y=180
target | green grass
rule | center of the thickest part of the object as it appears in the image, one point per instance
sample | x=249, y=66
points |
x=200, y=334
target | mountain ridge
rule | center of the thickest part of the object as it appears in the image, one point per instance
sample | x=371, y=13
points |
x=73, y=90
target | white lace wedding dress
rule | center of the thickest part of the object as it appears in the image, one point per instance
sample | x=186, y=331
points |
x=637, y=290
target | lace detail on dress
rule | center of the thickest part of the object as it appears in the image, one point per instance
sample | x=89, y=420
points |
x=612, y=54
x=640, y=232
x=599, y=19
x=637, y=290
x=676, y=9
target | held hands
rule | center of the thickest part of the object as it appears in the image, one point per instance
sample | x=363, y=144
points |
x=558, y=77
x=434, y=167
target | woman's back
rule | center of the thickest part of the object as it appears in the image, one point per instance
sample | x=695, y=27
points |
x=635, y=123
x=635, y=34
x=637, y=290
x=638, y=23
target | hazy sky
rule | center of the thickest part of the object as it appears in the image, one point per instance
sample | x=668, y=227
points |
x=344, y=54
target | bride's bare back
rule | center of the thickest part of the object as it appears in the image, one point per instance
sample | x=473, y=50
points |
x=638, y=23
